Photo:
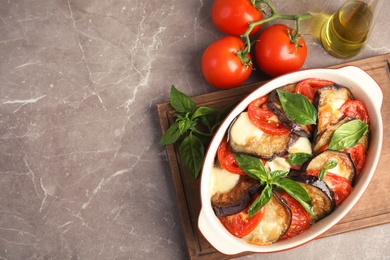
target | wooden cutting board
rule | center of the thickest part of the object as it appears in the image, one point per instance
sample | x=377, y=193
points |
x=369, y=211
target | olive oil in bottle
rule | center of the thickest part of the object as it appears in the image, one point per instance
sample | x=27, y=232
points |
x=345, y=33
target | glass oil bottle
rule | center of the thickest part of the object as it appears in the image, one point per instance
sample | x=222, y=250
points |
x=346, y=31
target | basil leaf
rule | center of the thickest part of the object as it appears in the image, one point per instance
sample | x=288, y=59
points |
x=252, y=166
x=203, y=111
x=180, y=101
x=276, y=175
x=296, y=191
x=328, y=165
x=298, y=108
x=192, y=154
x=171, y=135
x=207, y=120
x=298, y=158
x=348, y=135
x=185, y=124
x=260, y=201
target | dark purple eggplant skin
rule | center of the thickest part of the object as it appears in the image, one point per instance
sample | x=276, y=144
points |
x=267, y=155
x=237, y=199
x=334, y=86
x=276, y=107
x=314, y=182
x=319, y=96
x=288, y=210
x=345, y=159
x=324, y=138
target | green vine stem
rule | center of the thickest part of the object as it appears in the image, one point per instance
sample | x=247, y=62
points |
x=294, y=36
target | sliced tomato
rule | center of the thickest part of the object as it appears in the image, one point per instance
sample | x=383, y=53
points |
x=355, y=109
x=322, y=148
x=240, y=224
x=264, y=118
x=340, y=186
x=308, y=87
x=300, y=217
x=358, y=156
x=226, y=158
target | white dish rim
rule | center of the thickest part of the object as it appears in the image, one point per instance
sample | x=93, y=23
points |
x=354, y=78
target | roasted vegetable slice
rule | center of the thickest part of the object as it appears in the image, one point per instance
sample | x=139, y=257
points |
x=244, y=137
x=344, y=168
x=320, y=194
x=300, y=221
x=340, y=186
x=276, y=107
x=322, y=139
x=240, y=224
x=274, y=224
x=236, y=199
x=328, y=101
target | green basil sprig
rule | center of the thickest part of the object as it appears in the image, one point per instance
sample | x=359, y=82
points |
x=194, y=126
x=298, y=158
x=298, y=108
x=254, y=167
x=328, y=165
x=348, y=135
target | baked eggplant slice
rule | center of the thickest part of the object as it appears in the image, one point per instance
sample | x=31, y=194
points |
x=345, y=166
x=320, y=194
x=236, y=199
x=276, y=107
x=244, y=137
x=274, y=224
x=323, y=139
x=328, y=101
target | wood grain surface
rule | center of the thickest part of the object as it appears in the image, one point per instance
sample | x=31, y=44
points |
x=369, y=211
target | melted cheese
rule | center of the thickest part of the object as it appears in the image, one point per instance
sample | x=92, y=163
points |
x=302, y=145
x=278, y=163
x=274, y=223
x=342, y=170
x=222, y=181
x=337, y=103
x=243, y=129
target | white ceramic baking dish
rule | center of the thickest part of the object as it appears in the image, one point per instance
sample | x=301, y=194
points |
x=364, y=88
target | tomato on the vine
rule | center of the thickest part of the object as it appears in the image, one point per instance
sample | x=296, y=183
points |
x=224, y=65
x=232, y=16
x=276, y=54
x=264, y=118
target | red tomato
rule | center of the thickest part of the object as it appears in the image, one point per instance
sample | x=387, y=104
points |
x=358, y=156
x=323, y=148
x=308, y=87
x=340, y=186
x=275, y=54
x=227, y=160
x=232, y=16
x=240, y=225
x=300, y=217
x=221, y=66
x=264, y=118
x=355, y=109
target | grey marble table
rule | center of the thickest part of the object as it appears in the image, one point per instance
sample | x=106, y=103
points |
x=81, y=175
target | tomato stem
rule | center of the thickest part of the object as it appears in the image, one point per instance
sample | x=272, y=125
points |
x=275, y=15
